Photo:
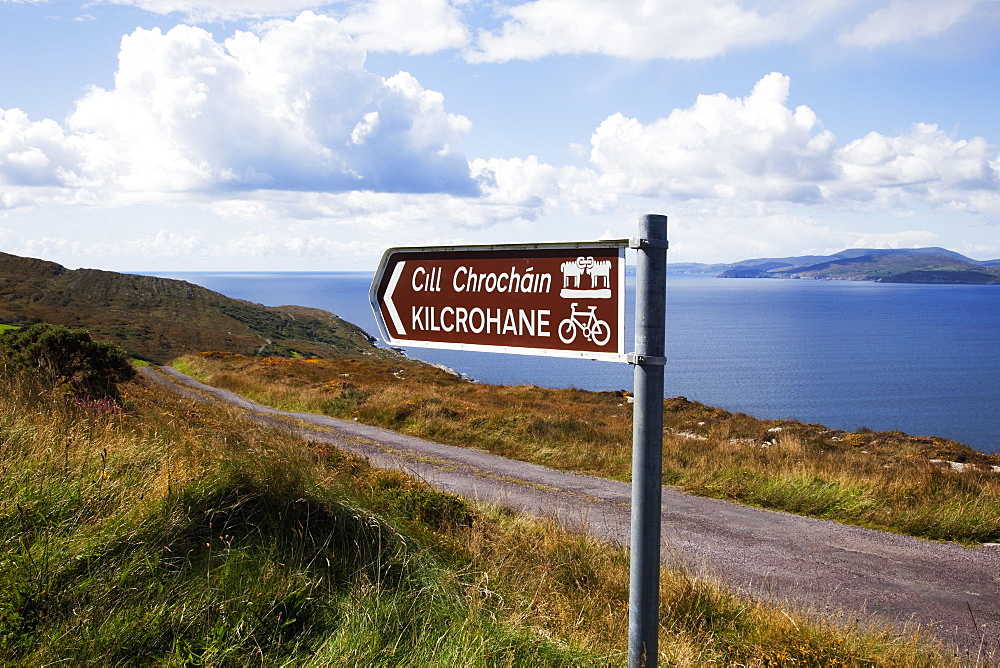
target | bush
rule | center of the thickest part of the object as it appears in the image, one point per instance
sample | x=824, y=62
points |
x=67, y=360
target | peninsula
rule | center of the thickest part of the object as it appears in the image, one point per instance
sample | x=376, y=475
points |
x=905, y=265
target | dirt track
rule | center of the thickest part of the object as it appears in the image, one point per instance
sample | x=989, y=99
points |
x=815, y=563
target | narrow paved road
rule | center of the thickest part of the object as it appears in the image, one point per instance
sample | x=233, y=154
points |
x=815, y=563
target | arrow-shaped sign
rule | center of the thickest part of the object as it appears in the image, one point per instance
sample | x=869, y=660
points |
x=544, y=299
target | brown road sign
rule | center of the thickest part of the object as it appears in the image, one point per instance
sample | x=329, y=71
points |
x=565, y=300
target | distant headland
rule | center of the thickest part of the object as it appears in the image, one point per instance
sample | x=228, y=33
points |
x=907, y=265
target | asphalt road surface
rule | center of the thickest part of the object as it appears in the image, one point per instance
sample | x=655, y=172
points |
x=815, y=564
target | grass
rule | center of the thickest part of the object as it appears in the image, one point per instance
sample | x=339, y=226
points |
x=175, y=534
x=883, y=480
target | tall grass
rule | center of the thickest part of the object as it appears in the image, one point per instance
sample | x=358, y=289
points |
x=884, y=480
x=176, y=534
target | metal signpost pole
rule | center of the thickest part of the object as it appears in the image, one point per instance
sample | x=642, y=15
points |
x=647, y=440
x=564, y=299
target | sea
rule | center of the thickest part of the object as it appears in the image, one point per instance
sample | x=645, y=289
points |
x=922, y=359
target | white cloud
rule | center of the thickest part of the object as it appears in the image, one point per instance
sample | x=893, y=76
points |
x=388, y=217
x=686, y=29
x=283, y=246
x=52, y=247
x=222, y=10
x=756, y=151
x=528, y=187
x=284, y=109
x=165, y=244
x=166, y=248
x=924, y=161
x=907, y=20
x=721, y=147
x=35, y=153
x=722, y=165
x=902, y=239
x=403, y=26
x=407, y=26
x=639, y=29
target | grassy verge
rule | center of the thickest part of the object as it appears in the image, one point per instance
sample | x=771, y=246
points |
x=176, y=534
x=884, y=480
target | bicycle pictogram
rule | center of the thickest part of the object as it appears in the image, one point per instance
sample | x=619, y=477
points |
x=594, y=330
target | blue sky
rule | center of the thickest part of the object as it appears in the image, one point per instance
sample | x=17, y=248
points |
x=145, y=135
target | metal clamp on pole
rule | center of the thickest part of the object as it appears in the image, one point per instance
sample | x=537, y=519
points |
x=648, y=360
x=638, y=243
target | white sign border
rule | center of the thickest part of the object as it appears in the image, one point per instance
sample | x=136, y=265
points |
x=619, y=244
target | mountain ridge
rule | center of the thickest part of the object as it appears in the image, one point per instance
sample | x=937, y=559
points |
x=905, y=265
x=157, y=319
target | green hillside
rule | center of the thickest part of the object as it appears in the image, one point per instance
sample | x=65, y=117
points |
x=158, y=319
